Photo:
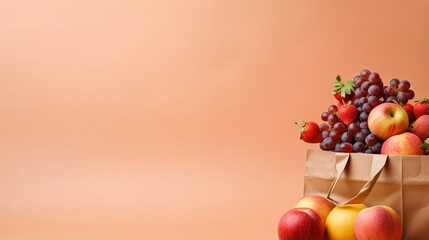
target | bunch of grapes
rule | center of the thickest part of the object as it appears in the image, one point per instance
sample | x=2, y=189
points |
x=369, y=92
x=398, y=92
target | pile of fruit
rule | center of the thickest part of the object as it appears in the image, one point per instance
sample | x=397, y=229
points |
x=372, y=117
x=316, y=218
x=369, y=117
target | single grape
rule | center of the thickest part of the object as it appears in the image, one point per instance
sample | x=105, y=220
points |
x=388, y=91
x=394, y=83
x=335, y=136
x=325, y=134
x=337, y=147
x=329, y=143
x=402, y=98
x=369, y=151
x=374, y=78
x=353, y=128
x=358, y=147
x=367, y=107
x=371, y=139
x=365, y=86
x=374, y=101
x=363, y=116
x=332, y=109
x=363, y=125
x=346, y=147
x=339, y=127
x=404, y=85
x=374, y=90
x=360, y=136
x=365, y=74
x=347, y=137
x=324, y=116
x=410, y=94
x=362, y=101
x=360, y=93
x=358, y=81
x=365, y=131
x=332, y=119
x=376, y=148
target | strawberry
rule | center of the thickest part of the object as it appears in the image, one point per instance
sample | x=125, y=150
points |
x=309, y=132
x=343, y=91
x=410, y=112
x=421, y=107
x=347, y=113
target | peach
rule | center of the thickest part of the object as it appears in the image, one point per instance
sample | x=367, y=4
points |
x=406, y=143
x=378, y=223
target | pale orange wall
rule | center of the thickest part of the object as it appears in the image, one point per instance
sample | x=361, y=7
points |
x=174, y=119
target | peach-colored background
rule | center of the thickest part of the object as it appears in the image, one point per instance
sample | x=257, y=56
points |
x=174, y=119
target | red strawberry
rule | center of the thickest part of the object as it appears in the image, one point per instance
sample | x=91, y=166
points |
x=343, y=91
x=421, y=107
x=347, y=113
x=410, y=112
x=309, y=132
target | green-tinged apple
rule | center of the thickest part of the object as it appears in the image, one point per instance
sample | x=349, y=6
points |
x=405, y=143
x=378, y=223
x=340, y=222
x=388, y=119
x=420, y=127
x=301, y=223
x=319, y=204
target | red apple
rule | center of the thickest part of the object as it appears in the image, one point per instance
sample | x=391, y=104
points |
x=420, y=127
x=319, y=204
x=378, y=223
x=405, y=143
x=387, y=119
x=301, y=223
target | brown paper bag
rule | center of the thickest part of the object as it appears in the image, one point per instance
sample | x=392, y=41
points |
x=398, y=181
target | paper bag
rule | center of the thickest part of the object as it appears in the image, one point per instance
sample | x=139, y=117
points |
x=398, y=181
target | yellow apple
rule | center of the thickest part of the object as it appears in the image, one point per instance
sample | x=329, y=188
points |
x=340, y=222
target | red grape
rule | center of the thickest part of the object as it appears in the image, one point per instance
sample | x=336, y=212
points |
x=365, y=74
x=402, y=98
x=359, y=147
x=404, y=85
x=374, y=77
x=371, y=139
x=332, y=119
x=388, y=91
x=332, y=109
x=324, y=116
x=346, y=147
x=374, y=90
x=394, y=83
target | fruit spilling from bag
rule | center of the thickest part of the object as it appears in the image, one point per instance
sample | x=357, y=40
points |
x=315, y=217
x=372, y=117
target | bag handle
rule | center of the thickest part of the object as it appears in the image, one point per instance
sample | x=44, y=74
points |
x=378, y=163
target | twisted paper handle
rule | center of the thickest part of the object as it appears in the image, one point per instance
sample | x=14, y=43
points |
x=378, y=163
